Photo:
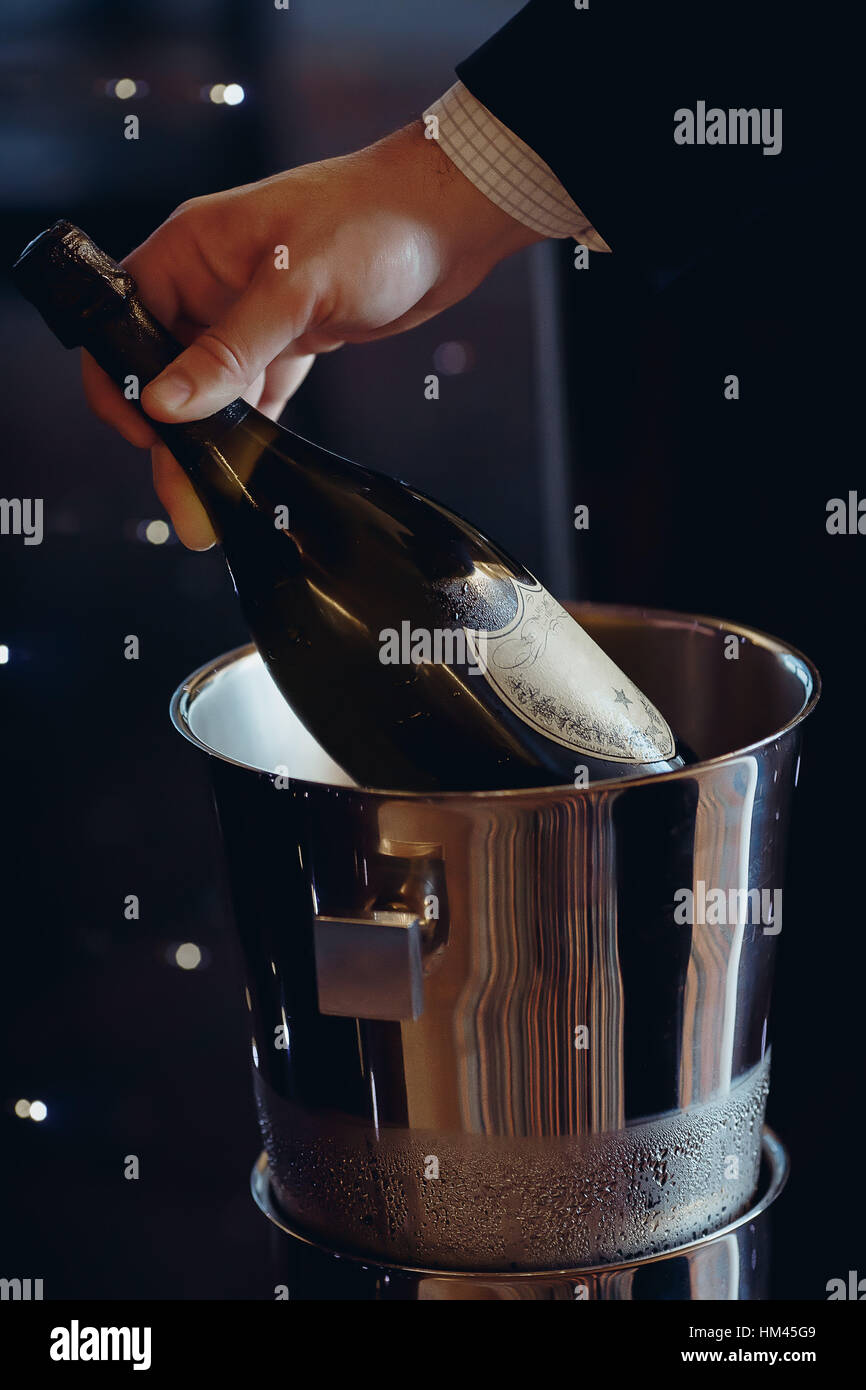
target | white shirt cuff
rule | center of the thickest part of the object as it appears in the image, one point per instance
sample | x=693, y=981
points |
x=505, y=169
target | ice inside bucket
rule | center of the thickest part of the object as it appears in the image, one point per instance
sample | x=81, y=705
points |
x=465, y=1127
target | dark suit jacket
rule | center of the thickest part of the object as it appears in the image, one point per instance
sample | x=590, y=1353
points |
x=723, y=261
x=594, y=93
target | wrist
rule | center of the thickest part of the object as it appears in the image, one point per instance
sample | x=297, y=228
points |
x=470, y=230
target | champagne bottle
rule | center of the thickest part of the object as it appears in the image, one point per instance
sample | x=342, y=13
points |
x=417, y=653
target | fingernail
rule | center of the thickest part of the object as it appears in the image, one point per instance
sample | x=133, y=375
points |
x=170, y=391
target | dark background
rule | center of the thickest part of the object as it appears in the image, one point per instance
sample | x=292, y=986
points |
x=602, y=387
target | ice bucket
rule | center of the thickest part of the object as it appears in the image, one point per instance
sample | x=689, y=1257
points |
x=515, y=1030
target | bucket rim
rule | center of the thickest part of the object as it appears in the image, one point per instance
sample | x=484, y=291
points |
x=192, y=686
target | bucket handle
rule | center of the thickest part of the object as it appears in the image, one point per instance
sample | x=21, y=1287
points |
x=370, y=966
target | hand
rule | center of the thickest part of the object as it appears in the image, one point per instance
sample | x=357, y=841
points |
x=378, y=241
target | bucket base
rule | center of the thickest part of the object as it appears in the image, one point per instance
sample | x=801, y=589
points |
x=730, y=1264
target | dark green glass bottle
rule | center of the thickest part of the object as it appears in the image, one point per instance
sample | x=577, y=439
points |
x=418, y=653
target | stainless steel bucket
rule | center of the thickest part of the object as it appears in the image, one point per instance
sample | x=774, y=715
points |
x=515, y=1030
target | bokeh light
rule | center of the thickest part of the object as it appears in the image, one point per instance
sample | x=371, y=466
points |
x=157, y=532
x=188, y=956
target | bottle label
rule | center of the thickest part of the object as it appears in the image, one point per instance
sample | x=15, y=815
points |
x=551, y=674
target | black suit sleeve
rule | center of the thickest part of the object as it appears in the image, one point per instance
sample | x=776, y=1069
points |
x=594, y=92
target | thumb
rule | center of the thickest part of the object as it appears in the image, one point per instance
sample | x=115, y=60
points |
x=226, y=358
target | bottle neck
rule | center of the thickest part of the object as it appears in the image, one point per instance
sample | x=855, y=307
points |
x=217, y=453
x=90, y=301
x=219, y=456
